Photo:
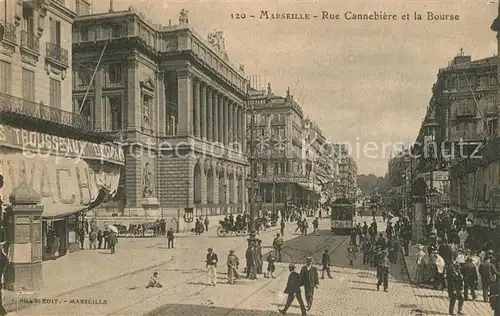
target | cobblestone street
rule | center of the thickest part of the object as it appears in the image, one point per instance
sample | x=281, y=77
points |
x=351, y=291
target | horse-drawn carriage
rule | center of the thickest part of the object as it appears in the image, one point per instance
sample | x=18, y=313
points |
x=226, y=229
x=135, y=230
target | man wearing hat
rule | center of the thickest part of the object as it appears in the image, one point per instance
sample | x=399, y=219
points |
x=211, y=261
x=293, y=291
x=310, y=280
x=455, y=282
x=488, y=274
x=232, y=266
x=469, y=273
x=383, y=271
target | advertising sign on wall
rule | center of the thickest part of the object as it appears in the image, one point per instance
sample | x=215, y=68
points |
x=66, y=185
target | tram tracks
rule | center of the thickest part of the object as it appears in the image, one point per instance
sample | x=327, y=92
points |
x=166, y=310
x=316, y=250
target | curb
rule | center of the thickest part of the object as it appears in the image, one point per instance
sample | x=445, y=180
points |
x=11, y=307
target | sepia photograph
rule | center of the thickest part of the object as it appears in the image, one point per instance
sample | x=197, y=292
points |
x=249, y=158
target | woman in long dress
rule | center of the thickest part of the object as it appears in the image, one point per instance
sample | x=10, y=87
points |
x=420, y=272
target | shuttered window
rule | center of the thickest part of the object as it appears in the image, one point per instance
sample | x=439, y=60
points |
x=28, y=85
x=55, y=93
x=5, y=77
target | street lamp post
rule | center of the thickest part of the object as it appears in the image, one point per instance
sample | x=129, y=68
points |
x=253, y=182
x=431, y=193
x=225, y=198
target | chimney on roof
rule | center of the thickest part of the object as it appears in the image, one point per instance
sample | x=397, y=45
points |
x=111, y=6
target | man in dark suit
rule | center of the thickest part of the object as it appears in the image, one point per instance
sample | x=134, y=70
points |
x=326, y=262
x=455, y=282
x=469, y=273
x=293, y=291
x=310, y=280
x=383, y=268
x=488, y=274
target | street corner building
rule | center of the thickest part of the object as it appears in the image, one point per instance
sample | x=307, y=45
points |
x=179, y=105
x=455, y=162
x=291, y=159
x=54, y=166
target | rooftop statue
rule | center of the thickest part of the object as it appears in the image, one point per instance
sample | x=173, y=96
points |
x=216, y=39
x=183, y=16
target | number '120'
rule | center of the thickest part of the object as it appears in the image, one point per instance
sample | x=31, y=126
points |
x=238, y=16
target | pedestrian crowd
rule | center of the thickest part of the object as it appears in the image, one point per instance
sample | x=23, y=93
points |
x=448, y=264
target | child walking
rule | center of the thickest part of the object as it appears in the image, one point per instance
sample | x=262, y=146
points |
x=271, y=259
x=351, y=254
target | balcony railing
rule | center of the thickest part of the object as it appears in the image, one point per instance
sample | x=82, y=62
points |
x=11, y=104
x=30, y=41
x=10, y=32
x=57, y=53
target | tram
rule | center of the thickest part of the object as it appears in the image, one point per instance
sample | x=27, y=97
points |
x=343, y=216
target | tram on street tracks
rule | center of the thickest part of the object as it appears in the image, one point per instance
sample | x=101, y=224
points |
x=343, y=216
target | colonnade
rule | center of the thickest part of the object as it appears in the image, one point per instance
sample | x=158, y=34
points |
x=217, y=117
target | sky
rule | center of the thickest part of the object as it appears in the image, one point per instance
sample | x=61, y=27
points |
x=365, y=83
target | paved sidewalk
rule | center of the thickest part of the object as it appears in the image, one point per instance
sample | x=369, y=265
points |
x=87, y=268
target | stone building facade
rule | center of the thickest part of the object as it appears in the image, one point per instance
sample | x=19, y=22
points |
x=348, y=173
x=44, y=141
x=277, y=148
x=178, y=104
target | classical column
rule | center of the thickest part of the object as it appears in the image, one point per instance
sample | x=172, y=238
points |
x=162, y=109
x=215, y=95
x=209, y=115
x=185, y=101
x=240, y=126
x=243, y=130
x=203, y=111
x=197, y=110
x=226, y=121
x=235, y=124
x=221, y=119
x=203, y=183
x=230, y=115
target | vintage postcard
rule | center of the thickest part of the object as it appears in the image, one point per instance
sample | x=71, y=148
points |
x=249, y=158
